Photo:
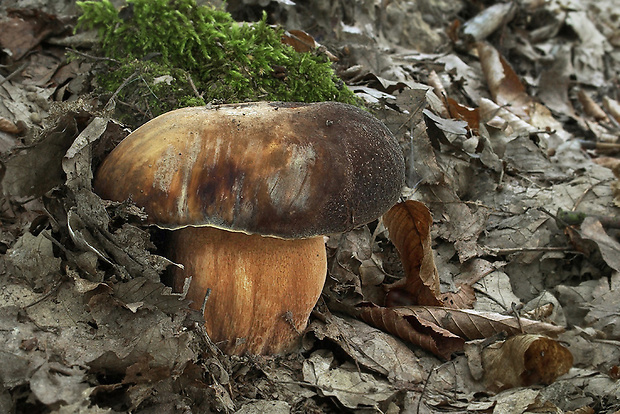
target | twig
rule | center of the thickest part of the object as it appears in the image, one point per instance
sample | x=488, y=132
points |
x=586, y=191
x=14, y=73
x=133, y=77
x=86, y=55
x=515, y=311
x=415, y=111
x=191, y=83
x=607, y=146
x=428, y=378
x=495, y=250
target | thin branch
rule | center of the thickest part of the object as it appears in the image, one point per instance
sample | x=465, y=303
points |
x=14, y=73
x=92, y=57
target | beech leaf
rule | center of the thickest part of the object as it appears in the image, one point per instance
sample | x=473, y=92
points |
x=426, y=335
x=409, y=224
x=471, y=324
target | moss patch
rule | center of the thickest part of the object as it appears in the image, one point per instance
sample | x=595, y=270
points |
x=173, y=53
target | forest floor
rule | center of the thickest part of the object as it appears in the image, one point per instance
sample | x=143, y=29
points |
x=509, y=120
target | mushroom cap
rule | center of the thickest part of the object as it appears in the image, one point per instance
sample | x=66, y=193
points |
x=288, y=170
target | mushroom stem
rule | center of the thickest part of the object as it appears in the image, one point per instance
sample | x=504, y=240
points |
x=262, y=289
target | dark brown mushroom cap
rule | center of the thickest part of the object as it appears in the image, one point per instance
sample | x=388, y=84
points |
x=289, y=170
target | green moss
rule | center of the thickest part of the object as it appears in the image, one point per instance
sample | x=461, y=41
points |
x=226, y=61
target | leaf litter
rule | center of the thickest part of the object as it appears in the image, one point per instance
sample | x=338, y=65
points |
x=500, y=121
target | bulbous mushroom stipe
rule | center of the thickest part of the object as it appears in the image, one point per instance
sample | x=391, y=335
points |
x=249, y=190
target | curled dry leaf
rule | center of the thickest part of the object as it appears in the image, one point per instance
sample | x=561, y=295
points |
x=591, y=108
x=443, y=331
x=504, y=84
x=426, y=335
x=521, y=361
x=302, y=42
x=489, y=20
x=409, y=224
x=613, y=107
x=471, y=324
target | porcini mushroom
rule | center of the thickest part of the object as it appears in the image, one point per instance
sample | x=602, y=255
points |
x=249, y=190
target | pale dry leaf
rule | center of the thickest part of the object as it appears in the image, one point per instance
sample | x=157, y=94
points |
x=36, y=169
x=555, y=82
x=591, y=108
x=505, y=86
x=592, y=229
x=371, y=348
x=612, y=106
x=150, y=294
x=352, y=388
x=54, y=383
x=32, y=260
x=450, y=126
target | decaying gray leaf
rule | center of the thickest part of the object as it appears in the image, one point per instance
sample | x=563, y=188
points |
x=592, y=229
x=54, y=383
x=34, y=170
x=32, y=260
x=147, y=331
x=352, y=388
x=371, y=348
x=262, y=406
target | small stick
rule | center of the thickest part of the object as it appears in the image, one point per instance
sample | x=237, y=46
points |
x=86, y=55
x=191, y=83
x=14, y=73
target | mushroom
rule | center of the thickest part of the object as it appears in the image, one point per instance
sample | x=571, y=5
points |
x=249, y=190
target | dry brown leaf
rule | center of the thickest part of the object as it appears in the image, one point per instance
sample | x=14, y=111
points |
x=522, y=361
x=409, y=224
x=591, y=108
x=470, y=324
x=504, y=84
x=300, y=41
x=424, y=334
x=464, y=113
x=8, y=126
x=613, y=107
x=463, y=298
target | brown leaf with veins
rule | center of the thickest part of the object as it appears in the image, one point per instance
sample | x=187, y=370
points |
x=470, y=324
x=424, y=334
x=409, y=224
x=444, y=331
